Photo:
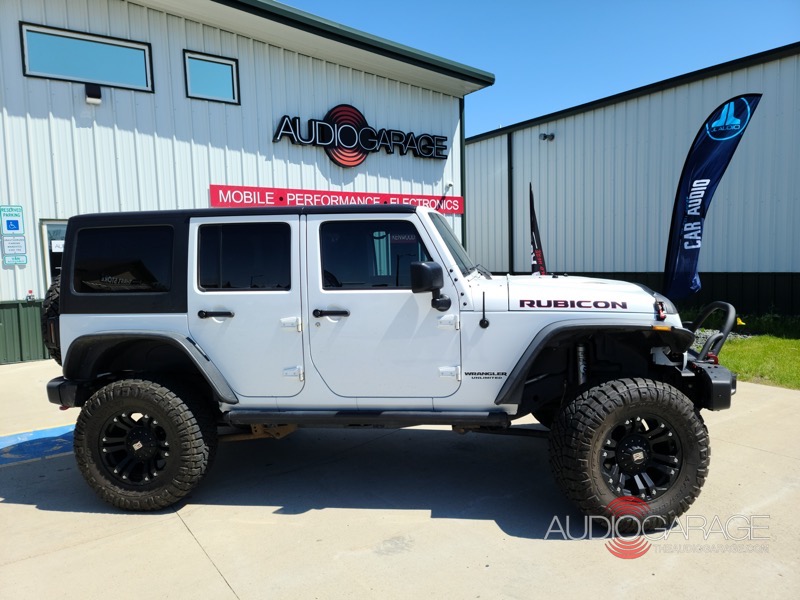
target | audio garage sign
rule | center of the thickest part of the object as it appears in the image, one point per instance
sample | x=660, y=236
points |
x=233, y=196
x=347, y=137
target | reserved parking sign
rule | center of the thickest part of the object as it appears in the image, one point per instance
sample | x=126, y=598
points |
x=11, y=219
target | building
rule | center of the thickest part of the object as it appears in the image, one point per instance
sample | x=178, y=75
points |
x=111, y=105
x=604, y=176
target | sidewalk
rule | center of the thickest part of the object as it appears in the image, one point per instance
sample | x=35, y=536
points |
x=23, y=399
x=392, y=514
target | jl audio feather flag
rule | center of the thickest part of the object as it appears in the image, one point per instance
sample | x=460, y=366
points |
x=705, y=165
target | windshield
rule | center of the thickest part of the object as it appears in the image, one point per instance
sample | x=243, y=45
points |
x=464, y=262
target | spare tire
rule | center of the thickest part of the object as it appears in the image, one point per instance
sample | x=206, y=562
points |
x=50, y=312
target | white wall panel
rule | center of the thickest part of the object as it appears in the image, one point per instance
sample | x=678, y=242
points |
x=487, y=203
x=605, y=186
x=162, y=150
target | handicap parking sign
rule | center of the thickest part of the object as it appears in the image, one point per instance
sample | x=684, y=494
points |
x=11, y=222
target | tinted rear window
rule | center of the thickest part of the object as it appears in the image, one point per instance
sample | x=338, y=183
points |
x=123, y=260
x=245, y=256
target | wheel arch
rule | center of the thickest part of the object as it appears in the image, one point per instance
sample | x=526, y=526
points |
x=92, y=356
x=570, y=332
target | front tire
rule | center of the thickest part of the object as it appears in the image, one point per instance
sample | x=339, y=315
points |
x=631, y=438
x=140, y=446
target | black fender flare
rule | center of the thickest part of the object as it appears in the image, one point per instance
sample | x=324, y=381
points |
x=84, y=353
x=677, y=338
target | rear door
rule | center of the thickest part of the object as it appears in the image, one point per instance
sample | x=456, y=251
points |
x=245, y=301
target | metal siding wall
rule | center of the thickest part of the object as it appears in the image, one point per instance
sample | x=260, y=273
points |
x=605, y=186
x=140, y=151
x=487, y=203
x=20, y=332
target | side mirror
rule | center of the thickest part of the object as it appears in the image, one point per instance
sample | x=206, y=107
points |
x=428, y=277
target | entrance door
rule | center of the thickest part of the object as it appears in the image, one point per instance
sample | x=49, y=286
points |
x=53, y=233
x=245, y=302
x=370, y=337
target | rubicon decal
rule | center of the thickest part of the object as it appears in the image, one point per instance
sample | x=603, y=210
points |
x=348, y=138
x=588, y=304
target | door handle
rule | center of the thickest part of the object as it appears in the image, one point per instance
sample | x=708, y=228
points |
x=206, y=314
x=330, y=313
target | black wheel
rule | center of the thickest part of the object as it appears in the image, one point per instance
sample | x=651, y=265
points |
x=637, y=439
x=50, y=310
x=140, y=446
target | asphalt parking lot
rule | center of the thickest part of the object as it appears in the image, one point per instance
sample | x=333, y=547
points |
x=419, y=512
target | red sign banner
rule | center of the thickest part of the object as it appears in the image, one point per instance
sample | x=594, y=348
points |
x=234, y=196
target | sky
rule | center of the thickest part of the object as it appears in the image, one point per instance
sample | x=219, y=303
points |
x=552, y=55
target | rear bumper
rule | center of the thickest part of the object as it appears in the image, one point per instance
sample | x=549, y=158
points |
x=716, y=385
x=66, y=393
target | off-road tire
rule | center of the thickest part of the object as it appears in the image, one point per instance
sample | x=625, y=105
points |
x=203, y=408
x=614, y=425
x=50, y=310
x=140, y=446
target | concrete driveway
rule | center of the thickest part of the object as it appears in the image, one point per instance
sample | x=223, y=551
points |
x=419, y=512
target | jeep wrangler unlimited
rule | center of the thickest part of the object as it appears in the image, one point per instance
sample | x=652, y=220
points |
x=173, y=323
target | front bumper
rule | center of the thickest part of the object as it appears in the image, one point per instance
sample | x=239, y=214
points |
x=715, y=385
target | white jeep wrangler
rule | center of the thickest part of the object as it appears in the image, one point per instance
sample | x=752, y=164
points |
x=173, y=323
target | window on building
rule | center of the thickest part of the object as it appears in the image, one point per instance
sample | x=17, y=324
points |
x=81, y=57
x=211, y=77
x=111, y=260
x=245, y=256
x=369, y=254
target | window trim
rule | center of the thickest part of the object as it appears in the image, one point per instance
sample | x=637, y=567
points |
x=212, y=58
x=91, y=37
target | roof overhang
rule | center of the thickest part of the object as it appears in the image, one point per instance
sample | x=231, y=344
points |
x=308, y=34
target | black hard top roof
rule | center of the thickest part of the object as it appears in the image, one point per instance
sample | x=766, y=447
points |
x=172, y=216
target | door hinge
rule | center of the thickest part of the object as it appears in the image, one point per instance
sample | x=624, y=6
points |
x=450, y=373
x=449, y=322
x=294, y=373
x=292, y=323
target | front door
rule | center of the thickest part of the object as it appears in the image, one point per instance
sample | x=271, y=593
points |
x=245, y=302
x=371, y=338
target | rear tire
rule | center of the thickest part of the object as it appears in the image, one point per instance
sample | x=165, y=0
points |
x=140, y=446
x=636, y=439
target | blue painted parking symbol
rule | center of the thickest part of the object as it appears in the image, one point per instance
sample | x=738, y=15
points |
x=12, y=225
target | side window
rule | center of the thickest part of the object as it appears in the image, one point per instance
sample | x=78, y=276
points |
x=245, y=256
x=112, y=260
x=369, y=254
x=82, y=57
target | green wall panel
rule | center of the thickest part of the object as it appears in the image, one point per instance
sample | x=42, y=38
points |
x=20, y=332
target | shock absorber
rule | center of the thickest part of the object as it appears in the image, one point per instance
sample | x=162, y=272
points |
x=580, y=355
